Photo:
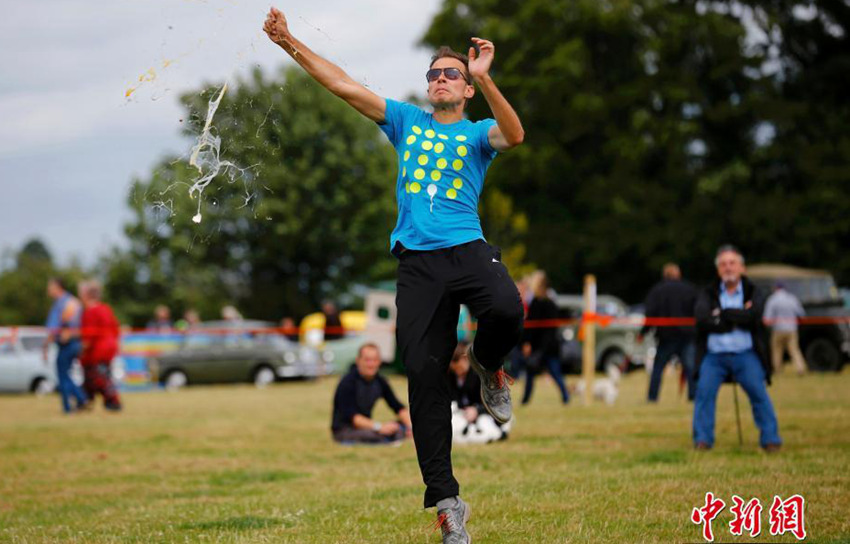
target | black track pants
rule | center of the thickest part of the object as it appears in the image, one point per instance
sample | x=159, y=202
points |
x=431, y=287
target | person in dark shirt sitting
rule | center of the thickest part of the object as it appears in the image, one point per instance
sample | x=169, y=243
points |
x=356, y=395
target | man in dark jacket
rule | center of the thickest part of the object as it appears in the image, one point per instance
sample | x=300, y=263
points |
x=671, y=297
x=356, y=395
x=731, y=343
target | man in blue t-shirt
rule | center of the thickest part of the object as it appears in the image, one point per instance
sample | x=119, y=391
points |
x=63, y=328
x=444, y=260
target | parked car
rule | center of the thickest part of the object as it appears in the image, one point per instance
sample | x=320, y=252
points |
x=22, y=365
x=616, y=343
x=226, y=352
x=826, y=345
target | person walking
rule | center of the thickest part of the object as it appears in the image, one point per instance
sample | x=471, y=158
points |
x=540, y=347
x=731, y=344
x=444, y=260
x=672, y=297
x=781, y=313
x=63, y=329
x=99, y=336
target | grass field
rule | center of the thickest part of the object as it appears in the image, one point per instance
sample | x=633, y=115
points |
x=237, y=464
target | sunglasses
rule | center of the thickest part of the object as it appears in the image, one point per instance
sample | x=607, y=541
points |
x=452, y=74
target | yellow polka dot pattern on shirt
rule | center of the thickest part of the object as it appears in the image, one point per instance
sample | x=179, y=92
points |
x=423, y=139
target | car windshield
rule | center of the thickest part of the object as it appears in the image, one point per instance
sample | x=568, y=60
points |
x=808, y=290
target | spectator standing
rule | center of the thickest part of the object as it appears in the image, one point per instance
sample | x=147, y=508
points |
x=781, y=313
x=333, y=322
x=161, y=321
x=671, y=297
x=540, y=343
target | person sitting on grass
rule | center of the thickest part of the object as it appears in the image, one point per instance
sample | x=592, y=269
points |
x=356, y=395
x=471, y=424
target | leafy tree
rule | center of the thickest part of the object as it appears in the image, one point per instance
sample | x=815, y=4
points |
x=23, y=300
x=307, y=213
x=644, y=134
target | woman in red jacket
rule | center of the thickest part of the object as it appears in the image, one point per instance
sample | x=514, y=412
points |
x=99, y=335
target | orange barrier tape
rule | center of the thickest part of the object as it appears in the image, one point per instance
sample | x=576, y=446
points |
x=597, y=319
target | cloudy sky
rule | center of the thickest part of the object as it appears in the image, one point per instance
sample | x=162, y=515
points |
x=70, y=141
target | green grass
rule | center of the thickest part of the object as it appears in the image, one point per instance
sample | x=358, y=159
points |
x=236, y=464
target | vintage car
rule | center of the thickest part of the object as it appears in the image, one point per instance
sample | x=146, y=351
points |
x=616, y=341
x=22, y=365
x=236, y=352
x=826, y=343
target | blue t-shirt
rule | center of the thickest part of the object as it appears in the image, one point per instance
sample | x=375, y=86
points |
x=441, y=170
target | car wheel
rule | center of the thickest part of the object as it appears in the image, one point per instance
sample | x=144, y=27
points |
x=611, y=358
x=823, y=355
x=175, y=380
x=42, y=386
x=263, y=376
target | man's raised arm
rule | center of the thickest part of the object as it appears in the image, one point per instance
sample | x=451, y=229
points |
x=329, y=75
x=508, y=131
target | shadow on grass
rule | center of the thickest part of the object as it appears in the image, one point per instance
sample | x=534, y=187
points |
x=243, y=523
x=247, y=477
x=663, y=457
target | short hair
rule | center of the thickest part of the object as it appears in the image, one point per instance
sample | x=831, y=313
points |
x=671, y=271
x=727, y=248
x=462, y=350
x=447, y=52
x=372, y=345
x=92, y=289
x=60, y=283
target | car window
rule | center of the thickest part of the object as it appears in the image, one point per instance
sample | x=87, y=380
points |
x=272, y=340
x=32, y=343
x=6, y=345
x=200, y=341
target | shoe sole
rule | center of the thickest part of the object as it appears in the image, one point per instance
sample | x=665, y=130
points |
x=481, y=371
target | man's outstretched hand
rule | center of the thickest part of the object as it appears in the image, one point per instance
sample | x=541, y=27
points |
x=479, y=65
x=276, y=26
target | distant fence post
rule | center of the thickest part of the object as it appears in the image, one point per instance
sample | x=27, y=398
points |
x=588, y=359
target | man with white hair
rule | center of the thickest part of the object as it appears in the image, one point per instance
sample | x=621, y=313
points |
x=731, y=344
x=99, y=334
